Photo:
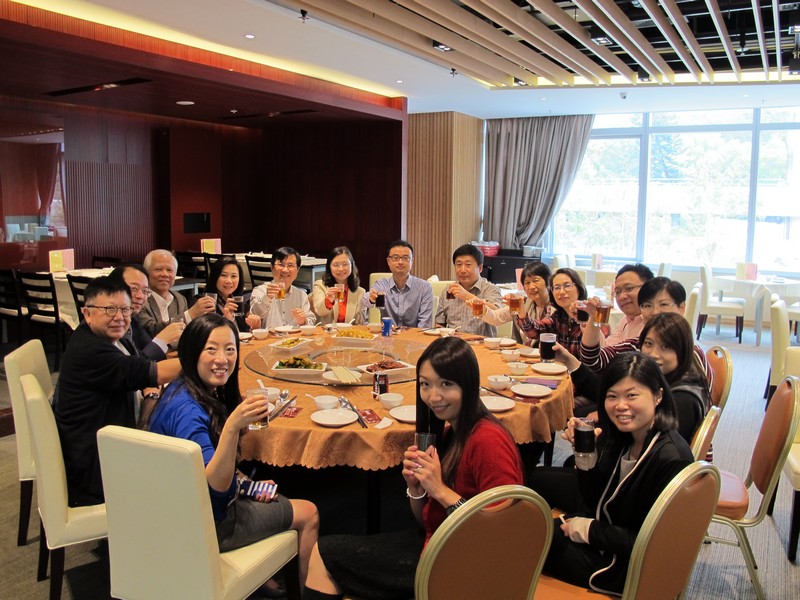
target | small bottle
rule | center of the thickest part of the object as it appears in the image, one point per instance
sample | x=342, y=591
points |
x=584, y=443
x=380, y=383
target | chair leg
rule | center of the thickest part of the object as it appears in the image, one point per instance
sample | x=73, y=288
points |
x=771, y=506
x=56, y=573
x=701, y=322
x=750, y=560
x=44, y=555
x=548, y=450
x=766, y=388
x=719, y=324
x=291, y=574
x=794, y=529
x=25, y=497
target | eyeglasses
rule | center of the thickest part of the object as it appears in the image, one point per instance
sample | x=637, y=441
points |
x=398, y=258
x=661, y=306
x=343, y=265
x=290, y=266
x=565, y=286
x=135, y=289
x=626, y=290
x=112, y=311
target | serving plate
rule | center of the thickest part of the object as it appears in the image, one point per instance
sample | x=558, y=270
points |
x=331, y=376
x=508, y=343
x=245, y=335
x=301, y=341
x=528, y=352
x=406, y=413
x=288, y=329
x=497, y=404
x=308, y=372
x=334, y=417
x=531, y=390
x=352, y=341
x=549, y=368
x=434, y=332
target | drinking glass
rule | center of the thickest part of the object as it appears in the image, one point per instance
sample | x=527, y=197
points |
x=424, y=440
x=380, y=300
x=602, y=313
x=269, y=396
x=514, y=303
x=212, y=295
x=239, y=305
x=478, y=308
x=339, y=291
x=547, y=350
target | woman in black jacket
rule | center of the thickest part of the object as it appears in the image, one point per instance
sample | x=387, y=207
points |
x=639, y=452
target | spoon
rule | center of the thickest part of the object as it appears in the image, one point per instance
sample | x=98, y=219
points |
x=312, y=397
x=283, y=397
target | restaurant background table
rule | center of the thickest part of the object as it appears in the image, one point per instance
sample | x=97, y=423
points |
x=299, y=441
x=788, y=289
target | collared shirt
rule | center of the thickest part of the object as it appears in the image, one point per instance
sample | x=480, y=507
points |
x=568, y=331
x=163, y=306
x=410, y=307
x=457, y=313
x=627, y=328
x=275, y=313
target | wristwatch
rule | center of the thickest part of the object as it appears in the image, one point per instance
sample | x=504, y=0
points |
x=451, y=509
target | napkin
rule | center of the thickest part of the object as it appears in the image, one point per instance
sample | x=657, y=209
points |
x=385, y=422
x=552, y=384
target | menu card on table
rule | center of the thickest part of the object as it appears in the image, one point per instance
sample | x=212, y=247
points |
x=211, y=246
x=747, y=271
x=62, y=260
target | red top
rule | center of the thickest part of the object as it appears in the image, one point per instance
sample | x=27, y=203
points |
x=490, y=459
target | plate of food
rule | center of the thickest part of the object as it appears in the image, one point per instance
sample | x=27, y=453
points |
x=385, y=365
x=297, y=365
x=342, y=375
x=289, y=343
x=334, y=417
x=406, y=413
x=355, y=336
x=531, y=390
x=497, y=404
x=434, y=331
x=549, y=368
x=288, y=329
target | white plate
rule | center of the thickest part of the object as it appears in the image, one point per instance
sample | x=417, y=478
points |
x=300, y=342
x=507, y=342
x=351, y=341
x=431, y=331
x=407, y=413
x=403, y=369
x=308, y=372
x=287, y=329
x=528, y=352
x=331, y=376
x=245, y=335
x=334, y=417
x=549, y=368
x=531, y=390
x=497, y=404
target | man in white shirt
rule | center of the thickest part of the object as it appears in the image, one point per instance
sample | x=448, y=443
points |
x=279, y=302
x=630, y=278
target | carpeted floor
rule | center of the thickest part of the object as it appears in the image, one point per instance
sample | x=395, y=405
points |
x=720, y=572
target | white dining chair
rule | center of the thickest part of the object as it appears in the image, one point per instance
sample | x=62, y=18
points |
x=727, y=307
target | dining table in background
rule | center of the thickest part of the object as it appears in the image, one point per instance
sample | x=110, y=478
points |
x=788, y=289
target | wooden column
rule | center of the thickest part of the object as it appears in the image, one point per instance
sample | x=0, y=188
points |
x=445, y=163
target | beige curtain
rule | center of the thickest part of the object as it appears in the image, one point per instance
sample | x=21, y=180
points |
x=530, y=166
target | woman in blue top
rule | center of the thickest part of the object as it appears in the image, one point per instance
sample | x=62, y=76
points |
x=204, y=405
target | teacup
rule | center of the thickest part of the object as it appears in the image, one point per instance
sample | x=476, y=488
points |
x=260, y=334
x=518, y=368
x=326, y=402
x=492, y=342
x=499, y=382
x=389, y=400
x=510, y=355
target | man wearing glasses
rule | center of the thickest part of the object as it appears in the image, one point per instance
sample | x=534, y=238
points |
x=630, y=279
x=98, y=385
x=408, y=300
x=278, y=302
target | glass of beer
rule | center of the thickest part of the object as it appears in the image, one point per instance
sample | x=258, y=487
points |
x=339, y=291
x=547, y=342
x=478, y=308
x=602, y=313
x=514, y=303
x=281, y=293
x=239, y=305
x=268, y=396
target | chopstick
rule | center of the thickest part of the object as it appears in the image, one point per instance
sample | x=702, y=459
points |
x=496, y=393
x=283, y=408
x=361, y=420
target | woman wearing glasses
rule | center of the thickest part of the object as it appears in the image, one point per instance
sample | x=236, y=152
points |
x=279, y=302
x=336, y=298
x=566, y=287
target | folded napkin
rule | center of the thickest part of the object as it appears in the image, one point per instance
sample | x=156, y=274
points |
x=385, y=422
x=551, y=383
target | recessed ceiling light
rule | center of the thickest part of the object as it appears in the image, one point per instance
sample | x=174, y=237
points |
x=250, y=36
x=542, y=98
x=185, y=102
x=398, y=81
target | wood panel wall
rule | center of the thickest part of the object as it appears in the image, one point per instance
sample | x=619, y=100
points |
x=445, y=161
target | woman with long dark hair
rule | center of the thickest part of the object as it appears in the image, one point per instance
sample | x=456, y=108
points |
x=667, y=338
x=204, y=405
x=336, y=298
x=639, y=451
x=226, y=280
x=474, y=453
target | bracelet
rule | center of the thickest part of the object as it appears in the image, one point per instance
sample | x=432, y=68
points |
x=451, y=509
x=413, y=497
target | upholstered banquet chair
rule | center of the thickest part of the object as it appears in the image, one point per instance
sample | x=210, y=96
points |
x=775, y=438
x=692, y=312
x=685, y=505
x=701, y=442
x=62, y=525
x=779, y=329
x=728, y=307
x=29, y=359
x=719, y=359
x=494, y=546
x=163, y=545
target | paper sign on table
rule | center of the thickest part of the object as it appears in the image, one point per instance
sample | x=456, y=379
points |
x=597, y=262
x=369, y=415
x=211, y=246
x=62, y=260
x=746, y=271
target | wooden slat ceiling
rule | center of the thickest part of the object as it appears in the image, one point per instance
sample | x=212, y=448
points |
x=548, y=43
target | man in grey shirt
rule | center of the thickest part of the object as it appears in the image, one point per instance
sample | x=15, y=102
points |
x=456, y=311
x=408, y=300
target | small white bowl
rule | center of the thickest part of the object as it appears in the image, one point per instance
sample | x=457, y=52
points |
x=499, y=382
x=308, y=329
x=492, y=342
x=375, y=327
x=529, y=352
x=343, y=325
x=446, y=331
x=518, y=368
x=326, y=402
x=510, y=355
x=389, y=400
x=260, y=334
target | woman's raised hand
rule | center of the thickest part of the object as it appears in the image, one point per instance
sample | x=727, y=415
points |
x=251, y=409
